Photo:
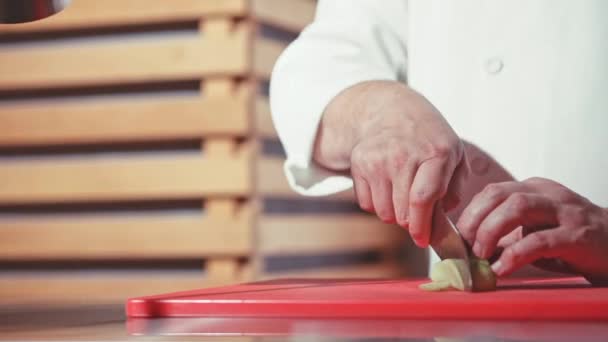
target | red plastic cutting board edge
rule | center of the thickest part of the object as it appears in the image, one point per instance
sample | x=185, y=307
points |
x=535, y=299
x=370, y=328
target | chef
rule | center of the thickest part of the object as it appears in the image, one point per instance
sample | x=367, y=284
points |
x=412, y=102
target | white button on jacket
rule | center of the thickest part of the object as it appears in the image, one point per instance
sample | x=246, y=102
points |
x=526, y=80
x=494, y=65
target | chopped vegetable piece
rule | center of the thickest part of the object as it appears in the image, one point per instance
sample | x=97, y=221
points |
x=452, y=274
x=436, y=286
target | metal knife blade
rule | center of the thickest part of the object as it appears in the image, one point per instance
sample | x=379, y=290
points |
x=447, y=242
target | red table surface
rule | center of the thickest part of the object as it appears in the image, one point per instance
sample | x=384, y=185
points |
x=515, y=299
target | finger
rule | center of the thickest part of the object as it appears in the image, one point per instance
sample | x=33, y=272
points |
x=402, y=183
x=382, y=196
x=519, y=209
x=457, y=185
x=506, y=241
x=511, y=238
x=541, y=244
x=483, y=204
x=364, y=194
x=516, y=235
x=430, y=184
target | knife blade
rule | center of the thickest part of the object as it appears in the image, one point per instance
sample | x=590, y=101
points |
x=447, y=241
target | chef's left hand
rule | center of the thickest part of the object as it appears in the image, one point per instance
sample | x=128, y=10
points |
x=540, y=221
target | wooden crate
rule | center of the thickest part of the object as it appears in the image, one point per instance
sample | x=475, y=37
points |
x=74, y=160
x=57, y=131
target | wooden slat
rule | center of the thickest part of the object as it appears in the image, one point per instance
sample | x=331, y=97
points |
x=88, y=14
x=95, y=288
x=224, y=268
x=271, y=181
x=266, y=52
x=121, y=236
x=379, y=270
x=123, y=62
x=102, y=121
x=122, y=179
x=285, y=234
x=292, y=15
x=264, y=124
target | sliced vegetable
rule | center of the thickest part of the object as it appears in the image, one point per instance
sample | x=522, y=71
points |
x=436, y=286
x=452, y=274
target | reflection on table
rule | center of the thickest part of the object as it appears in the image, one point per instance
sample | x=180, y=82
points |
x=107, y=323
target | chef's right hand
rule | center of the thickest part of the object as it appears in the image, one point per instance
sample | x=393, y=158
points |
x=405, y=158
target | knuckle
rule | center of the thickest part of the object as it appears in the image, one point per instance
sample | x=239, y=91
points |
x=395, y=149
x=448, y=148
x=578, y=215
x=356, y=172
x=477, y=198
x=358, y=158
x=493, y=191
x=443, y=150
x=535, y=180
x=564, y=195
x=356, y=154
x=368, y=169
x=397, y=159
x=541, y=242
x=375, y=167
x=399, y=162
x=424, y=196
x=584, y=235
x=518, y=204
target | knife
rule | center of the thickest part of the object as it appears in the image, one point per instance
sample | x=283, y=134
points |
x=447, y=241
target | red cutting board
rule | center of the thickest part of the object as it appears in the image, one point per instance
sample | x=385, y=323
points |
x=555, y=299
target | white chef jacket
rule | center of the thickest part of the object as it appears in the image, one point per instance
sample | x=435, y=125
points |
x=525, y=80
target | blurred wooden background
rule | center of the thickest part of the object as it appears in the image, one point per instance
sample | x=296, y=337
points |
x=137, y=155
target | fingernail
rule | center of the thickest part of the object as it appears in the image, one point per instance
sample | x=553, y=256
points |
x=419, y=241
x=477, y=249
x=497, y=267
